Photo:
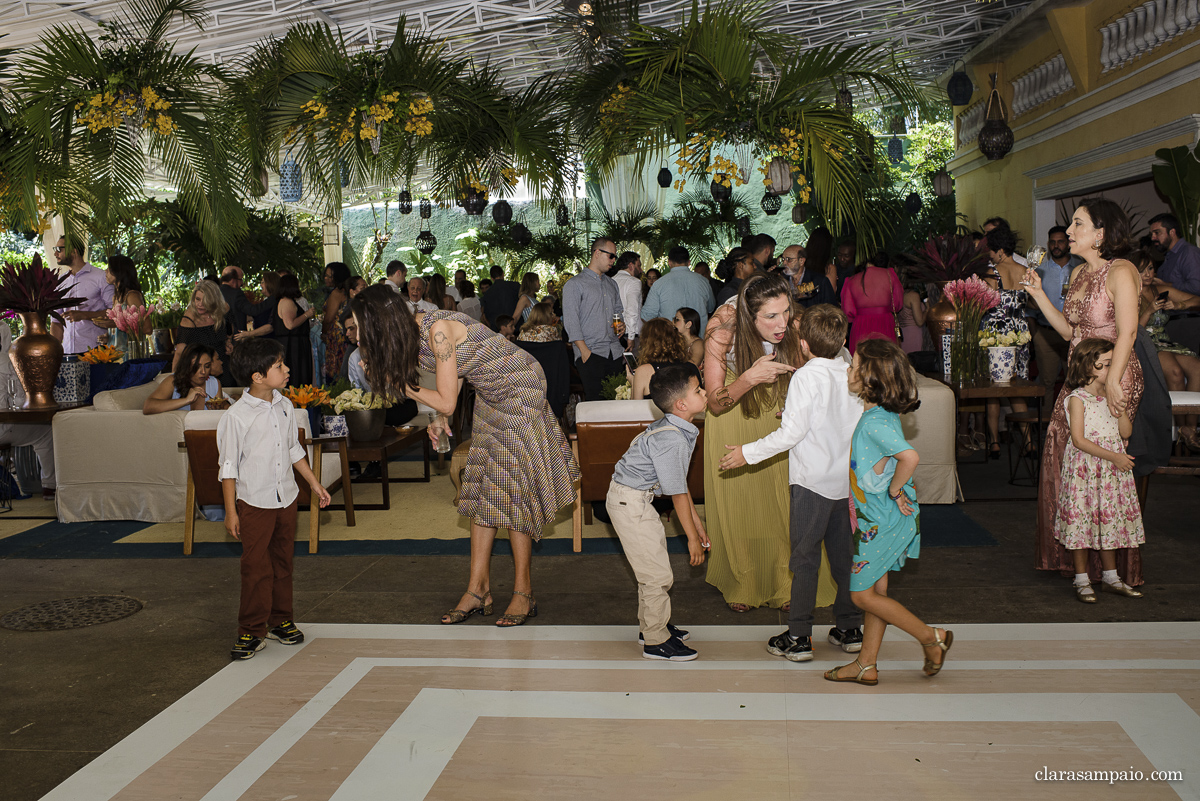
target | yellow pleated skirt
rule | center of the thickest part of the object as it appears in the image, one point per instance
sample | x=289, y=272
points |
x=746, y=514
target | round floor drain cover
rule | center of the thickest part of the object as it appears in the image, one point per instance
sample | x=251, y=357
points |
x=70, y=613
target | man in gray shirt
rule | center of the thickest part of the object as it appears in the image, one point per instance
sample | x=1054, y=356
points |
x=590, y=300
x=678, y=289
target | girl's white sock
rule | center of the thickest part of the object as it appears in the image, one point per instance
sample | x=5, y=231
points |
x=1081, y=580
x=1110, y=577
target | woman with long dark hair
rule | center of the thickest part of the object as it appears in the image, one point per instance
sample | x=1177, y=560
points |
x=437, y=295
x=520, y=471
x=751, y=351
x=871, y=300
x=127, y=291
x=337, y=281
x=194, y=383
x=289, y=325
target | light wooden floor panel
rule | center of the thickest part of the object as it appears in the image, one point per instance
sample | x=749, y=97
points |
x=450, y=713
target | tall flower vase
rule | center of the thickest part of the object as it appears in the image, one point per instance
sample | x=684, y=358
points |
x=36, y=356
x=137, y=347
x=965, y=351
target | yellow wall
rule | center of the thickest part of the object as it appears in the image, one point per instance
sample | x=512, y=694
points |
x=1002, y=188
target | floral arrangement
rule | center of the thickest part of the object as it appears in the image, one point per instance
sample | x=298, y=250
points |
x=696, y=156
x=972, y=298
x=616, y=387
x=166, y=315
x=34, y=288
x=306, y=396
x=130, y=318
x=103, y=354
x=355, y=400
x=139, y=109
x=384, y=108
x=991, y=338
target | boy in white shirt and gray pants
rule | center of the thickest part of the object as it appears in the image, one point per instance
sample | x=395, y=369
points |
x=818, y=421
x=258, y=444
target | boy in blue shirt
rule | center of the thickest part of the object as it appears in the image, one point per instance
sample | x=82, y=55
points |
x=657, y=464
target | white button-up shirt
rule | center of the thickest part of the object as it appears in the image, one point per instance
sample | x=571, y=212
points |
x=819, y=417
x=258, y=442
x=630, y=289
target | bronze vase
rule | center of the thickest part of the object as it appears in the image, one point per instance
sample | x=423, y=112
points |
x=940, y=319
x=36, y=355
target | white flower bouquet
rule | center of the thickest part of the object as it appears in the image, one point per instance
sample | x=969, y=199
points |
x=991, y=338
x=355, y=400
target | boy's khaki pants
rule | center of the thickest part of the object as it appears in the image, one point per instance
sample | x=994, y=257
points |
x=644, y=539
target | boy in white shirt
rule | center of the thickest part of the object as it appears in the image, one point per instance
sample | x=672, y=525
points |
x=818, y=421
x=258, y=444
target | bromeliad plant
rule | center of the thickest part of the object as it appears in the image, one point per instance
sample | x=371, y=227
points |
x=34, y=288
x=951, y=257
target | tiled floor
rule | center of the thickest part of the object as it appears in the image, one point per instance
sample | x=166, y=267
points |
x=430, y=712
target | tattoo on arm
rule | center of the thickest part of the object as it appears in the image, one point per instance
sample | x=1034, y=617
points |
x=723, y=399
x=443, y=348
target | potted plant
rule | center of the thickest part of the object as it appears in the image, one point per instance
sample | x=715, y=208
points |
x=1002, y=352
x=364, y=412
x=164, y=319
x=972, y=298
x=945, y=258
x=34, y=291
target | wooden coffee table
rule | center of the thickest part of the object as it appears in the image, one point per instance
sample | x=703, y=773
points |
x=393, y=441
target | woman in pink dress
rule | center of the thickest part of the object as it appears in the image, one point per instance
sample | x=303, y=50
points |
x=871, y=300
x=1102, y=301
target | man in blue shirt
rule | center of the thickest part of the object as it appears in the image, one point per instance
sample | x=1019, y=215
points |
x=590, y=301
x=1181, y=267
x=1048, y=345
x=679, y=288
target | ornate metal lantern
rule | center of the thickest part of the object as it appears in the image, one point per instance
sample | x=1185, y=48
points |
x=426, y=242
x=943, y=184
x=799, y=214
x=913, y=203
x=520, y=235
x=426, y=208
x=562, y=215
x=664, y=177
x=720, y=191
x=405, y=201
x=501, y=212
x=780, y=173
x=291, y=181
x=895, y=149
x=475, y=203
x=995, y=137
x=959, y=88
x=743, y=227
x=771, y=204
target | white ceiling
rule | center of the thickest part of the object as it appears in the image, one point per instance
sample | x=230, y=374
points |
x=518, y=35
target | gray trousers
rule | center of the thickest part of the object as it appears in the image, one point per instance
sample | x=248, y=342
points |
x=816, y=520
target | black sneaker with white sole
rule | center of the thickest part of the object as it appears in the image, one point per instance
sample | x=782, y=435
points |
x=849, y=640
x=793, y=649
x=247, y=645
x=287, y=633
x=672, y=630
x=672, y=650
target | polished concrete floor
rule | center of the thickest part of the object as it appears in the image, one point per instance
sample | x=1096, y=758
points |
x=67, y=697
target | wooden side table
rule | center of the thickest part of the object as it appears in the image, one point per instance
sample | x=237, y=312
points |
x=393, y=441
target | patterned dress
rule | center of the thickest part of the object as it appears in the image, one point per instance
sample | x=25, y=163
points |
x=336, y=345
x=884, y=537
x=1090, y=312
x=520, y=470
x=1097, y=504
x=1009, y=317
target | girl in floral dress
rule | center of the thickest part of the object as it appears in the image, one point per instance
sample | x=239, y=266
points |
x=1097, y=504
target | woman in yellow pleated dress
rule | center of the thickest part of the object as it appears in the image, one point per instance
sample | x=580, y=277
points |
x=751, y=351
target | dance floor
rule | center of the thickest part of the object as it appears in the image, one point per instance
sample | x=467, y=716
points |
x=470, y=712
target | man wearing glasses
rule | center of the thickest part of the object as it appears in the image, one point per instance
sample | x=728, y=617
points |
x=793, y=261
x=96, y=298
x=592, y=318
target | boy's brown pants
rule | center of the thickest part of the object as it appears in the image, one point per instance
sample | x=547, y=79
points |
x=268, y=544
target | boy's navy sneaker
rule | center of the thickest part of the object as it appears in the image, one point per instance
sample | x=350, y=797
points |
x=672, y=630
x=287, y=633
x=246, y=646
x=794, y=649
x=849, y=640
x=672, y=651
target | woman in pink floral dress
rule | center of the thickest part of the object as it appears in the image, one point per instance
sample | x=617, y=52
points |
x=1097, y=502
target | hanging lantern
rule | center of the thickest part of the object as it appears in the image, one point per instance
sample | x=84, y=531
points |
x=959, y=88
x=780, y=173
x=520, y=235
x=771, y=204
x=895, y=149
x=799, y=214
x=291, y=181
x=743, y=227
x=426, y=242
x=405, y=201
x=995, y=137
x=845, y=100
x=562, y=215
x=426, y=208
x=475, y=203
x=664, y=177
x=720, y=191
x=943, y=184
x=912, y=203
x=501, y=212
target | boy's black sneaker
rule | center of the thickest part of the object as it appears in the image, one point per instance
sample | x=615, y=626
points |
x=849, y=640
x=672, y=651
x=246, y=646
x=793, y=649
x=287, y=633
x=672, y=630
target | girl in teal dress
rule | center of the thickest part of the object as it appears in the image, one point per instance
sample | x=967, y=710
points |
x=883, y=507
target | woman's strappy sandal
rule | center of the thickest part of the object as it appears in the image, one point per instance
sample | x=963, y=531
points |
x=459, y=615
x=932, y=669
x=832, y=675
x=507, y=621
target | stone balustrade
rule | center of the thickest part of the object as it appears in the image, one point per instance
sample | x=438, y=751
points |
x=1144, y=28
x=1044, y=82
